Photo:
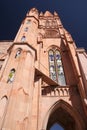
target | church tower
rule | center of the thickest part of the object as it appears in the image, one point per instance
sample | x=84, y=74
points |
x=43, y=77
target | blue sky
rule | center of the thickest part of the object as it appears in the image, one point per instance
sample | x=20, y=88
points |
x=56, y=127
x=73, y=14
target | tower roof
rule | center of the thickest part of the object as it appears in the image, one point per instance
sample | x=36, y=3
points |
x=47, y=13
x=55, y=13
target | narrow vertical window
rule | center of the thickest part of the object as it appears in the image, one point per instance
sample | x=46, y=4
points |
x=3, y=103
x=18, y=53
x=26, y=29
x=47, y=23
x=11, y=76
x=59, y=67
x=54, y=23
x=52, y=65
x=1, y=63
x=23, y=39
x=56, y=67
x=28, y=21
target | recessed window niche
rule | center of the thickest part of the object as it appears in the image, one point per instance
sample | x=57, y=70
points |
x=28, y=21
x=26, y=29
x=18, y=53
x=23, y=39
x=56, y=66
x=11, y=76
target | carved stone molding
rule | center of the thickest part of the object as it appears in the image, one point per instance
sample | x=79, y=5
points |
x=51, y=34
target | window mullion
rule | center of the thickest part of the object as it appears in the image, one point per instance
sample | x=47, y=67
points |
x=56, y=71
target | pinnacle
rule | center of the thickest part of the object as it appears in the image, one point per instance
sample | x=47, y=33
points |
x=41, y=13
x=47, y=13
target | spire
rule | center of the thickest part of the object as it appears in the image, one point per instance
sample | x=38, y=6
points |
x=33, y=12
x=55, y=13
x=47, y=13
x=41, y=13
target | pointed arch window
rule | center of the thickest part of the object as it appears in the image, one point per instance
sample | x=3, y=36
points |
x=28, y=21
x=52, y=65
x=47, y=23
x=26, y=29
x=56, y=127
x=56, y=67
x=3, y=103
x=23, y=39
x=18, y=52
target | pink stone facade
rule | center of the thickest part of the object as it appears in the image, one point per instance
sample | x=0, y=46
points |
x=29, y=98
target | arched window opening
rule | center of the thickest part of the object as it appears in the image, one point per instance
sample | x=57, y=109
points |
x=56, y=126
x=1, y=63
x=61, y=120
x=54, y=23
x=47, y=23
x=3, y=103
x=28, y=21
x=11, y=76
x=26, y=29
x=18, y=52
x=56, y=67
x=23, y=39
x=60, y=71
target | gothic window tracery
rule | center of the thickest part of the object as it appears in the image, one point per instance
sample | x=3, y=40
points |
x=52, y=65
x=51, y=33
x=56, y=67
x=51, y=23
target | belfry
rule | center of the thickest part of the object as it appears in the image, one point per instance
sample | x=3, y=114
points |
x=43, y=77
